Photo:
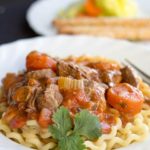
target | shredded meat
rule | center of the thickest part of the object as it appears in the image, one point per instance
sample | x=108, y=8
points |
x=12, y=90
x=10, y=80
x=129, y=76
x=34, y=91
x=51, y=98
x=77, y=71
x=39, y=74
x=31, y=105
x=22, y=94
x=111, y=77
x=96, y=92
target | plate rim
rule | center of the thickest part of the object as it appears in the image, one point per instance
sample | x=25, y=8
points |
x=34, y=39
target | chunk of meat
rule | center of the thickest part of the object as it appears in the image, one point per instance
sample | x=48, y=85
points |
x=31, y=104
x=111, y=77
x=12, y=90
x=37, y=61
x=39, y=74
x=22, y=94
x=129, y=76
x=40, y=77
x=96, y=93
x=51, y=98
x=9, y=80
x=77, y=71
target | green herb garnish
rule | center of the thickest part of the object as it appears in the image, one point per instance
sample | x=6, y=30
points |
x=69, y=134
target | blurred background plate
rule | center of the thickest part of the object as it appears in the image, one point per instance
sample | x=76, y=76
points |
x=42, y=12
x=12, y=59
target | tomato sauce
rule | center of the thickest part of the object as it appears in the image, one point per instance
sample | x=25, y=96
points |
x=77, y=100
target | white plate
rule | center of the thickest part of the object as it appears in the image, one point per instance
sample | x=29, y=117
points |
x=12, y=59
x=42, y=12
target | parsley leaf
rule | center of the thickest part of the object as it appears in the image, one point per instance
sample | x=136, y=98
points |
x=72, y=142
x=62, y=124
x=87, y=125
x=69, y=135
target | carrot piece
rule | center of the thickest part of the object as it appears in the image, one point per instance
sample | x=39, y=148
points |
x=37, y=61
x=125, y=98
x=91, y=9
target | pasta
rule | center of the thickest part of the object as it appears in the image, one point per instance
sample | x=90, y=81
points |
x=118, y=137
x=34, y=136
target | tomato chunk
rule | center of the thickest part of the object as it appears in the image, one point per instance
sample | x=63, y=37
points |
x=45, y=118
x=125, y=98
x=18, y=121
x=76, y=99
x=37, y=61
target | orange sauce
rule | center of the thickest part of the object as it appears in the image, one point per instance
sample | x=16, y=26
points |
x=77, y=100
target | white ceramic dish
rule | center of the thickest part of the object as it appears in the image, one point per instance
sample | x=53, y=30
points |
x=42, y=12
x=12, y=59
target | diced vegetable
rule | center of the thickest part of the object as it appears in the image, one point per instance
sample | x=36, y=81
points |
x=91, y=9
x=66, y=83
x=45, y=118
x=37, y=61
x=125, y=98
x=18, y=121
x=76, y=99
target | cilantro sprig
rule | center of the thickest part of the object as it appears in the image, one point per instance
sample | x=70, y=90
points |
x=69, y=133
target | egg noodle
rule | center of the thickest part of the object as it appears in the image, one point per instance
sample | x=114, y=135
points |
x=33, y=136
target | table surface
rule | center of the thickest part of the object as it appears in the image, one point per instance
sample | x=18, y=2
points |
x=13, y=24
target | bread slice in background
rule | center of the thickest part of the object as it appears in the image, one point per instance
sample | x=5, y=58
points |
x=132, y=29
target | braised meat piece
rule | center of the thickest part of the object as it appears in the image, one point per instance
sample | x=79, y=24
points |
x=12, y=89
x=10, y=80
x=111, y=77
x=51, y=98
x=22, y=94
x=31, y=104
x=109, y=72
x=96, y=93
x=39, y=74
x=67, y=69
x=129, y=76
x=33, y=91
x=40, y=77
